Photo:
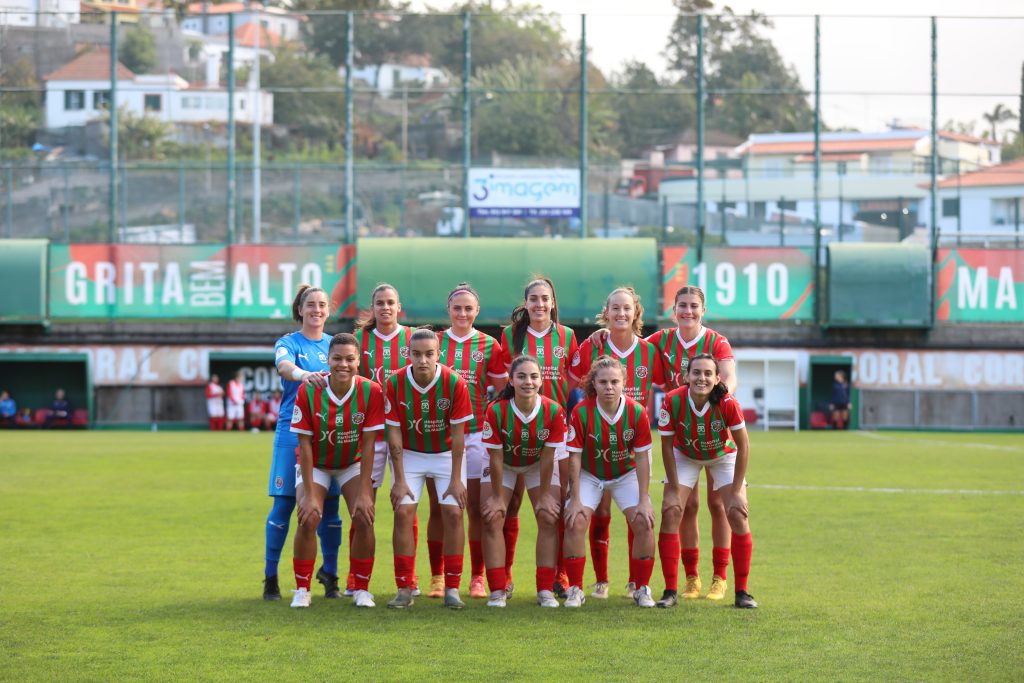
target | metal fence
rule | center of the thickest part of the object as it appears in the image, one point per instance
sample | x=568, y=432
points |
x=369, y=124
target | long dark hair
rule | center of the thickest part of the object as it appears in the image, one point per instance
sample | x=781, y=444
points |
x=509, y=391
x=719, y=391
x=521, y=318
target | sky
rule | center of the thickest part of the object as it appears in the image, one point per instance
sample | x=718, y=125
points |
x=875, y=59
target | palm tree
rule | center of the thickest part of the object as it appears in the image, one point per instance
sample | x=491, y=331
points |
x=998, y=115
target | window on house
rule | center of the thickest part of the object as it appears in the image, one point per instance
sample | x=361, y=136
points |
x=241, y=104
x=153, y=102
x=1004, y=211
x=101, y=100
x=950, y=208
x=74, y=100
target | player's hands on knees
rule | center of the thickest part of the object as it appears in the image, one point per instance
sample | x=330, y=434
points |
x=457, y=491
x=548, y=509
x=573, y=510
x=643, y=514
x=738, y=502
x=399, y=492
x=309, y=511
x=363, y=509
x=492, y=509
x=672, y=498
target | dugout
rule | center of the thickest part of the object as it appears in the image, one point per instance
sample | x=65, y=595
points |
x=769, y=388
x=257, y=368
x=32, y=379
x=817, y=395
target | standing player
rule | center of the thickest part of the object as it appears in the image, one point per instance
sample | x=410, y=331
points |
x=236, y=401
x=606, y=433
x=645, y=367
x=477, y=358
x=521, y=432
x=336, y=426
x=426, y=408
x=301, y=359
x=215, y=404
x=701, y=427
x=535, y=331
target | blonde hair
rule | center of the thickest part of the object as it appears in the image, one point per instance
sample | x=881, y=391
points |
x=638, y=309
x=602, y=363
x=367, y=319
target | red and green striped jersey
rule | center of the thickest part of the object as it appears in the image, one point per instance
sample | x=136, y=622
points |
x=678, y=353
x=554, y=349
x=704, y=434
x=336, y=425
x=644, y=364
x=475, y=357
x=522, y=437
x=608, y=444
x=381, y=356
x=425, y=415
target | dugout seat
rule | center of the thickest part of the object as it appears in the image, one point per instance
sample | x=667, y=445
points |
x=80, y=418
x=750, y=416
x=818, y=420
x=39, y=418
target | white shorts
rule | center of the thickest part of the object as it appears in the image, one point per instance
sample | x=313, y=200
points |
x=475, y=455
x=236, y=411
x=721, y=470
x=380, y=458
x=531, y=476
x=324, y=477
x=561, y=451
x=215, y=407
x=436, y=466
x=625, y=490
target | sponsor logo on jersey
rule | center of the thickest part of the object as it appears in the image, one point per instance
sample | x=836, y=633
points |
x=387, y=352
x=663, y=418
x=700, y=428
x=576, y=360
x=544, y=434
x=357, y=418
x=559, y=352
x=716, y=426
x=525, y=435
x=641, y=372
x=628, y=435
x=282, y=351
x=403, y=352
x=443, y=404
x=425, y=406
x=572, y=433
x=458, y=354
x=322, y=356
x=296, y=415
x=487, y=431
x=683, y=365
x=387, y=405
x=540, y=351
x=613, y=438
x=477, y=356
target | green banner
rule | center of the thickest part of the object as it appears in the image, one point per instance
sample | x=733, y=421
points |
x=425, y=270
x=879, y=285
x=980, y=285
x=194, y=281
x=743, y=283
x=22, y=281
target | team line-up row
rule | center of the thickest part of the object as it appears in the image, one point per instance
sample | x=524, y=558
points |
x=418, y=399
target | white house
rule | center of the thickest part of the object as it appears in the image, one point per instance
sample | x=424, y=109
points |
x=248, y=45
x=211, y=19
x=40, y=13
x=388, y=77
x=79, y=92
x=985, y=205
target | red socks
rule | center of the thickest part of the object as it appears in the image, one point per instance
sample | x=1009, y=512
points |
x=511, y=533
x=641, y=571
x=545, y=578
x=600, y=535
x=497, y=579
x=303, y=572
x=691, y=558
x=574, y=567
x=452, y=571
x=405, y=565
x=668, y=549
x=720, y=559
x=436, y=551
x=361, y=570
x=742, y=550
x=476, y=559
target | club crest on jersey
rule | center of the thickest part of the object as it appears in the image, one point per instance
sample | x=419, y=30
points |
x=543, y=434
x=716, y=426
x=477, y=356
x=403, y=351
x=296, y=415
x=487, y=431
x=628, y=435
x=559, y=352
x=663, y=418
x=322, y=357
x=443, y=404
x=279, y=482
x=641, y=372
x=357, y=418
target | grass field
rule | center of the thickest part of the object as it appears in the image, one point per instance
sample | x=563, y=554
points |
x=139, y=556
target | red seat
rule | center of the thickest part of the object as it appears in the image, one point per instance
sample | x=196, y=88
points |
x=39, y=419
x=818, y=420
x=80, y=418
x=750, y=416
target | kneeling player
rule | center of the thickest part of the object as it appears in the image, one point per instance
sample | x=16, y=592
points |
x=521, y=432
x=701, y=425
x=337, y=425
x=606, y=433
x=426, y=407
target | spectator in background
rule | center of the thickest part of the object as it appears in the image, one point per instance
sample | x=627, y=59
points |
x=840, y=405
x=257, y=412
x=236, y=402
x=60, y=410
x=273, y=410
x=8, y=409
x=215, y=404
x=24, y=418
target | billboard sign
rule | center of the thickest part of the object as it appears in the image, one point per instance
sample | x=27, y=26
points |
x=524, y=193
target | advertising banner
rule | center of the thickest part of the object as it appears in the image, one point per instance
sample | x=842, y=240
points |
x=194, y=281
x=980, y=285
x=524, y=193
x=743, y=283
x=936, y=370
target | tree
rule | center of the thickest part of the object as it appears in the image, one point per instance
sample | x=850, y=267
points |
x=375, y=31
x=998, y=115
x=138, y=51
x=21, y=113
x=141, y=136
x=749, y=85
x=649, y=111
x=319, y=116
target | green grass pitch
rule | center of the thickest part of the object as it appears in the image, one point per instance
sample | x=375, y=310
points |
x=139, y=556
